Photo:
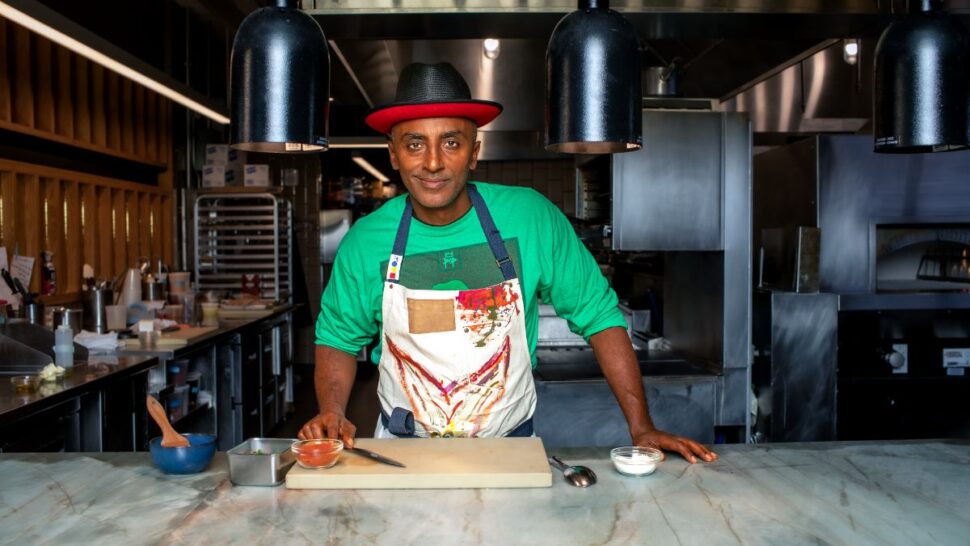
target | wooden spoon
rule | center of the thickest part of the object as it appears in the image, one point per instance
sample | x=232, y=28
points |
x=170, y=438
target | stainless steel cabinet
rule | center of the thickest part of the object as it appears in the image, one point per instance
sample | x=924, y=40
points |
x=669, y=194
x=585, y=412
x=255, y=378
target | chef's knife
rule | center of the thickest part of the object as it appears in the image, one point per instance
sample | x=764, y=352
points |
x=375, y=456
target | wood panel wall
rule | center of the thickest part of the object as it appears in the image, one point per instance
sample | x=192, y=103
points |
x=83, y=219
x=49, y=92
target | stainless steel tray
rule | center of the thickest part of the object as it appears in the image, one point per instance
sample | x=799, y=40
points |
x=261, y=461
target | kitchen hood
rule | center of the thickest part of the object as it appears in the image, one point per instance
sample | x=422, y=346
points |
x=723, y=51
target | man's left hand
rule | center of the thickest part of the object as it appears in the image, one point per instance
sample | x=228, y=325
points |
x=664, y=441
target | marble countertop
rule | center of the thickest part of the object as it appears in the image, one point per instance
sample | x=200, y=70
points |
x=908, y=493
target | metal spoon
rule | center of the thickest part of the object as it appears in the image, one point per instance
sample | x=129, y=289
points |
x=580, y=476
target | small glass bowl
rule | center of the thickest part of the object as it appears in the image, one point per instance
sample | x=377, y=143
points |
x=317, y=453
x=25, y=383
x=636, y=460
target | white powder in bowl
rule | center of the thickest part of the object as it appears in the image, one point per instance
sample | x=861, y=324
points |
x=635, y=461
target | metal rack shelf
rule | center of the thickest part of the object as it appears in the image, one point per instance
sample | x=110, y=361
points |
x=236, y=233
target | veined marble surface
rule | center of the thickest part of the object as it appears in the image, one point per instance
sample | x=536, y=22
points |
x=911, y=493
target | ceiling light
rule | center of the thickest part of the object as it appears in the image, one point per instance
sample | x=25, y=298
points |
x=593, y=83
x=921, y=84
x=491, y=48
x=850, y=51
x=358, y=143
x=33, y=22
x=279, y=82
x=364, y=164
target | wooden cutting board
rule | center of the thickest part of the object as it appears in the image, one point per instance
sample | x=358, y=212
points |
x=452, y=463
x=174, y=339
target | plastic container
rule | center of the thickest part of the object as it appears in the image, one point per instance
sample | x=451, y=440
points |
x=174, y=407
x=261, y=461
x=210, y=313
x=194, y=382
x=64, y=346
x=205, y=397
x=184, y=460
x=116, y=317
x=178, y=282
x=177, y=372
x=635, y=460
x=24, y=384
x=182, y=395
x=317, y=453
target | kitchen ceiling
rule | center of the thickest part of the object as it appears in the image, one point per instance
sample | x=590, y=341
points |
x=723, y=48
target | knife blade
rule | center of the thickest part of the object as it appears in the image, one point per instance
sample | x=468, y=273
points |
x=375, y=456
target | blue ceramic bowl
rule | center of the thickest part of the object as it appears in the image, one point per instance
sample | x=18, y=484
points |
x=184, y=460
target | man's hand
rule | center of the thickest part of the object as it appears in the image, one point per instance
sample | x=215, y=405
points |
x=329, y=425
x=664, y=441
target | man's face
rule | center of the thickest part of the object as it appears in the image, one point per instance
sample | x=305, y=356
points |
x=434, y=157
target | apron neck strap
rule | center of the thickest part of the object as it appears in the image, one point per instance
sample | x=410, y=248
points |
x=492, y=235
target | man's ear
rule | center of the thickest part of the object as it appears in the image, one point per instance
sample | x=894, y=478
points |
x=475, y=150
x=390, y=150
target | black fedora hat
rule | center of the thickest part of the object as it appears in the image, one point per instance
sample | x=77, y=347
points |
x=431, y=91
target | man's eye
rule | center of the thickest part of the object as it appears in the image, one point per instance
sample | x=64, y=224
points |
x=451, y=143
x=414, y=145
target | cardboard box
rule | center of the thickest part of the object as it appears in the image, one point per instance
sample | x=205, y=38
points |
x=222, y=154
x=217, y=176
x=256, y=176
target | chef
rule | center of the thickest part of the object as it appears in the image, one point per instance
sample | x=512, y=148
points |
x=449, y=278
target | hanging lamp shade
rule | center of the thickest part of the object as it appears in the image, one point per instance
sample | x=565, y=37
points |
x=593, y=95
x=280, y=82
x=921, y=83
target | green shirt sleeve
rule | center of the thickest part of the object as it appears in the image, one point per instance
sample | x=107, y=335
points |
x=571, y=280
x=348, y=316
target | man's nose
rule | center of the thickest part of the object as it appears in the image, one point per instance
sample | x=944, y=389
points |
x=432, y=159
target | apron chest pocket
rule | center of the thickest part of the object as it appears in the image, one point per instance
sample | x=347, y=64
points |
x=430, y=316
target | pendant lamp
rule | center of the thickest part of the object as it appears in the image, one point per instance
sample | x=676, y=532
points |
x=922, y=83
x=593, y=100
x=279, y=82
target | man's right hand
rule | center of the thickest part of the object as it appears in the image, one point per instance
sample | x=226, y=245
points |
x=329, y=425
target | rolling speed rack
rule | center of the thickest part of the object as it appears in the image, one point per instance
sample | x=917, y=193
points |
x=244, y=233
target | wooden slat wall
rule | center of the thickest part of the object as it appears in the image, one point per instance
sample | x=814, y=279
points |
x=50, y=92
x=41, y=209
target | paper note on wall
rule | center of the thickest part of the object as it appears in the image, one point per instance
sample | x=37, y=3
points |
x=22, y=268
x=5, y=293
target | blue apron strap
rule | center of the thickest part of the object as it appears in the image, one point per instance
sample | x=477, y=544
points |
x=492, y=235
x=400, y=244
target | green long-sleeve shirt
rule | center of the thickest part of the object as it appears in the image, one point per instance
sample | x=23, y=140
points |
x=549, y=259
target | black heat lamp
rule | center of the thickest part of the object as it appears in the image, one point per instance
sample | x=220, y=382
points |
x=280, y=82
x=593, y=99
x=922, y=83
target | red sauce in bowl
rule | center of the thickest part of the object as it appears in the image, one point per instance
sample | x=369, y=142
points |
x=317, y=453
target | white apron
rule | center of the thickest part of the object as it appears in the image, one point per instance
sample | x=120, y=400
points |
x=457, y=360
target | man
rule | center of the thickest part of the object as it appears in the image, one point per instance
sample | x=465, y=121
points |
x=448, y=277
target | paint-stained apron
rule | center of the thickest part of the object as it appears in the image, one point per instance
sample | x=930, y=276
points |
x=457, y=361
